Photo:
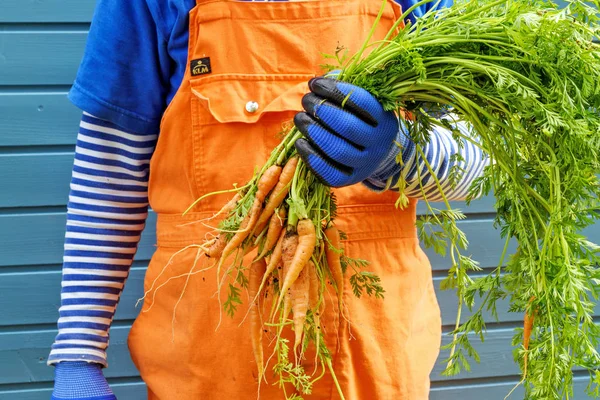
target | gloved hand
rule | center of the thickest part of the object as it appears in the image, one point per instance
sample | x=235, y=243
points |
x=80, y=380
x=347, y=133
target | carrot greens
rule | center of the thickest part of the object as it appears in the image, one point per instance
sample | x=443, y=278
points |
x=526, y=76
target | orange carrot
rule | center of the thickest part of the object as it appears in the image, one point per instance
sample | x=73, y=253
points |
x=287, y=305
x=275, y=257
x=273, y=262
x=289, y=246
x=299, y=298
x=307, y=240
x=267, y=182
x=313, y=302
x=245, y=227
x=527, y=329
x=275, y=226
x=257, y=270
x=334, y=261
x=279, y=193
x=314, y=285
x=216, y=248
x=227, y=208
x=288, y=249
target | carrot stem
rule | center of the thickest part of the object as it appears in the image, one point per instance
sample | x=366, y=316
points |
x=334, y=377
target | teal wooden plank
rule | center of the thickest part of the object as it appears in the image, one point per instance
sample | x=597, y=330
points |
x=47, y=10
x=485, y=391
x=31, y=238
x=448, y=302
x=466, y=391
x=480, y=206
x=37, y=239
x=495, y=390
x=23, y=356
x=485, y=245
x=19, y=307
x=33, y=119
x=496, y=357
x=42, y=179
x=35, y=179
x=40, y=57
x=125, y=391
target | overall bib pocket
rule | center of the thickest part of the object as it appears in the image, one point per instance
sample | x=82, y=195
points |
x=236, y=122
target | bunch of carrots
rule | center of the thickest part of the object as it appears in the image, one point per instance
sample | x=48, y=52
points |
x=287, y=217
x=526, y=76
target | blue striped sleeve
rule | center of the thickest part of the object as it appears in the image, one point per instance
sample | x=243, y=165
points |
x=455, y=165
x=106, y=213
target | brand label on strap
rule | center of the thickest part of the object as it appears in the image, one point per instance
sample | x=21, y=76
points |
x=201, y=66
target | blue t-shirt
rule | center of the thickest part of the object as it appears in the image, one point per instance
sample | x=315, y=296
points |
x=135, y=59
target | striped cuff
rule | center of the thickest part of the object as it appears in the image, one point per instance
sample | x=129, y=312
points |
x=390, y=167
x=455, y=165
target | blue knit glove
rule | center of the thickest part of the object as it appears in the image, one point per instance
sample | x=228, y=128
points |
x=423, y=9
x=80, y=380
x=347, y=133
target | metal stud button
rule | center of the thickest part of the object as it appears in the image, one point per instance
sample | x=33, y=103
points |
x=251, y=106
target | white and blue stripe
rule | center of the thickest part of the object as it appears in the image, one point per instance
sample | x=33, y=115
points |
x=106, y=213
x=440, y=153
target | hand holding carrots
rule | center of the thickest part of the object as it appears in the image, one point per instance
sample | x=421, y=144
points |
x=347, y=133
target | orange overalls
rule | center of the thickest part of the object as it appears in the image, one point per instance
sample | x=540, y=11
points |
x=265, y=52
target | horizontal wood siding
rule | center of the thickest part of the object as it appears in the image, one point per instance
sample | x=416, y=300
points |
x=41, y=43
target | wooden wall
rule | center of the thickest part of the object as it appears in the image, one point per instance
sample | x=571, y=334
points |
x=41, y=43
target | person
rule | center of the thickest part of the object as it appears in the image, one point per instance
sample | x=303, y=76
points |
x=185, y=97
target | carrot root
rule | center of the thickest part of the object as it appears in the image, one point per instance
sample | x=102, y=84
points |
x=528, y=321
x=306, y=244
x=279, y=192
x=275, y=227
x=289, y=246
x=334, y=262
x=216, y=248
x=257, y=270
x=299, y=294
